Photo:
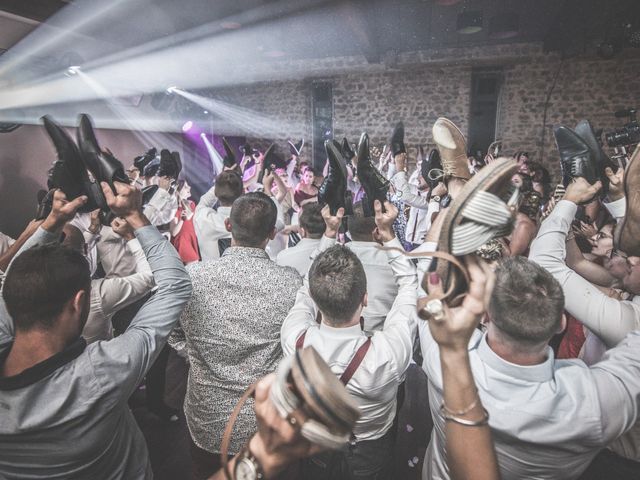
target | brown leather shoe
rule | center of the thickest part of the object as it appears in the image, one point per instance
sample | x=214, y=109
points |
x=627, y=233
x=452, y=147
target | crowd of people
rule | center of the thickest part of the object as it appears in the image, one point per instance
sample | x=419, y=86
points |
x=515, y=295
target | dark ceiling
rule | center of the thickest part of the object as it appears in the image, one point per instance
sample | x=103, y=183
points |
x=380, y=26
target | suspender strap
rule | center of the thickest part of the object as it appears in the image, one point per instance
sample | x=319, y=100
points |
x=355, y=362
x=300, y=340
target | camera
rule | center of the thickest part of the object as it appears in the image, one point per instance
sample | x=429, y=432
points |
x=628, y=134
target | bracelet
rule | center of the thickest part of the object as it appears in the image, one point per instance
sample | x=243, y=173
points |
x=570, y=236
x=444, y=409
x=469, y=423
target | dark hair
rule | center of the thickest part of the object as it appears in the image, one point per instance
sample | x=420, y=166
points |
x=361, y=228
x=337, y=283
x=41, y=281
x=228, y=187
x=253, y=218
x=527, y=302
x=311, y=220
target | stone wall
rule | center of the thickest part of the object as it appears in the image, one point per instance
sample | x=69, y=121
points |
x=374, y=98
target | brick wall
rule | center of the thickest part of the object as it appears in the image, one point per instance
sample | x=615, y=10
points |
x=374, y=97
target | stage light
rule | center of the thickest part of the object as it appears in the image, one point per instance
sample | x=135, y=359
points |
x=187, y=126
x=504, y=25
x=206, y=112
x=203, y=135
x=72, y=70
x=171, y=89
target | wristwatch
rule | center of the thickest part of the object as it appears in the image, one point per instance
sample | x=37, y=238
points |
x=247, y=467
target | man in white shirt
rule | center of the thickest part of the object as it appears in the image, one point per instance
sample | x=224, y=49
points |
x=373, y=367
x=415, y=193
x=549, y=417
x=209, y=219
x=608, y=318
x=108, y=295
x=381, y=285
x=311, y=230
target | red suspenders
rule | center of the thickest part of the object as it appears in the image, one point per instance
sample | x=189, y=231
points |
x=353, y=364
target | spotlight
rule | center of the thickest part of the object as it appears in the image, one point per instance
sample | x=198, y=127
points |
x=171, y=89
x=469, y=22
x=187, y=126
x=206, y=112
x=72, y=70
x=203, y=135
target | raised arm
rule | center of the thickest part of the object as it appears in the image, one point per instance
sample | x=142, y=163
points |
x=121, y=363
x=608, y=318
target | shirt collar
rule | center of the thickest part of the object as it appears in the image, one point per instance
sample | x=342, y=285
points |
x=341, y=332
x=308, y=241
x=361, y=244
x=542, y=372
x=40, y=370
x=245, y=252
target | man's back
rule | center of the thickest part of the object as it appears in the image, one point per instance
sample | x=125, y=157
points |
x=299, y=257
x=381, y=286
x=548, y=420
x=232, y=332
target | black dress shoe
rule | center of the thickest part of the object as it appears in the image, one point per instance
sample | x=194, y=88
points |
x=347, y=152
x=69, y=172
x=431, y=169
x=577, y=159
x=152, y=168
x=229, y=160
x=170, y=165
x=333, y=190
x=145, y=159
x=375, y=185
x=397, y=140
x=102, y=164
x=268, y=162
x=586, y=133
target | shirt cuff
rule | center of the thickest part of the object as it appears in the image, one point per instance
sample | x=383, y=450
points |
x=565, y=209
x=617, y=208
x=134, y=245
x=159, y=199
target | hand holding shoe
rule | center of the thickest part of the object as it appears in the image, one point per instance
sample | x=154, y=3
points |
x=579, y=191
x=452, y=330
x=62, y=211
x=384, y=221
x=126, y=203
x=332, y=222
x=616, y=183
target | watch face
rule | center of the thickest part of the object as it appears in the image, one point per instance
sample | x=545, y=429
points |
x=246, y=470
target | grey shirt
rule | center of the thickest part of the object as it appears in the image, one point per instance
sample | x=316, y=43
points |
x=231, y=332
x=67, y=417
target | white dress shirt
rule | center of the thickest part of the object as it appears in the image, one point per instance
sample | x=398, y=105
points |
x=608, y=318
x=114, y=256
x=82, y=221
x=5, y=242
x=162, y=207
x=421, y=210
x=209, y=225
x=108, y=295
x=299, y=257
x=381, y=284
x=548, y=421
x=374, y=385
